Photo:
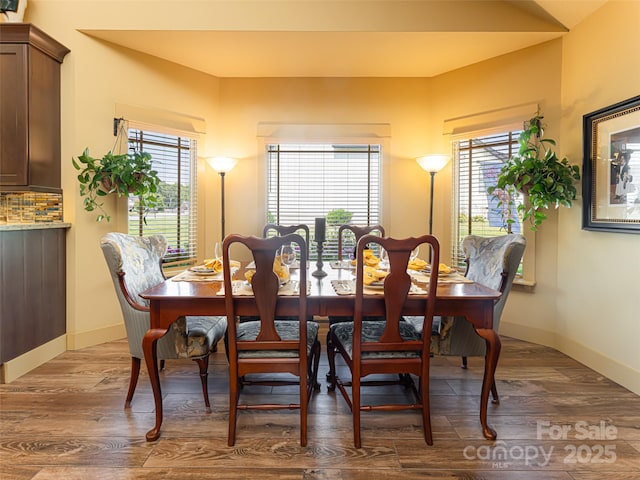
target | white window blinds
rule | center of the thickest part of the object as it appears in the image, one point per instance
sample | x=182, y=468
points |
x=174, y=158
x=477, y=162
x=338, y=181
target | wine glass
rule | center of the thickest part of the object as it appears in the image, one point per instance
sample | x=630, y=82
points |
x=288, y=254
x=217, y=251
x=414, y=253
x=384, y=259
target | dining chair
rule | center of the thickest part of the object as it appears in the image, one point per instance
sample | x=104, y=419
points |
x=269, y=345
x=355, y=231
x=493, y=262
x=135, y=265
x=286, y=229
x=388, y=346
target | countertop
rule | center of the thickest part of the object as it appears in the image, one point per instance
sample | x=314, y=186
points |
x=7, y=227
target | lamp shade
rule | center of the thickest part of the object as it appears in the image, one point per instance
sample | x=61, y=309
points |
x=433, y=163
x=222, y=164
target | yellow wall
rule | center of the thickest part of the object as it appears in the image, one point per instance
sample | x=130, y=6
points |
x=598, y=300
x=95, y=77
x=595, y=65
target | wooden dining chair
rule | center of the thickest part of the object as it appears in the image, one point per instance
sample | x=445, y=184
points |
x=286, y=229
x=135, y=265
x=269, y=345
x=389, y=346
x=357, y=232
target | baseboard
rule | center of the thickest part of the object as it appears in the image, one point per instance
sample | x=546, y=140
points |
x=26, y=362
x=610, y=368
x=76, y=341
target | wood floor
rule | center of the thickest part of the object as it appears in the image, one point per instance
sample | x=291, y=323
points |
x=65, y=421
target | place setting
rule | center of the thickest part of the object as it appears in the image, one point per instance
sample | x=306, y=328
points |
x=209, y=271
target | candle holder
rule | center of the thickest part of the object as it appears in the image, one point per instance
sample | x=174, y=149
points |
x=319, y=273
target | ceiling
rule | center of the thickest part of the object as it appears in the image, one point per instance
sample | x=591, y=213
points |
x=349, y=38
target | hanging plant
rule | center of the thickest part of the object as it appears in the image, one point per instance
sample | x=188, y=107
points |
x=537, y=172
x=124, y=174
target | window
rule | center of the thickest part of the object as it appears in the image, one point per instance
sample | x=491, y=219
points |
x=341, y=182
x=174, y=158
x=477, y=162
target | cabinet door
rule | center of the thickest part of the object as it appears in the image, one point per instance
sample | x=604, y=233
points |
x=14, y=110
x=32, y=297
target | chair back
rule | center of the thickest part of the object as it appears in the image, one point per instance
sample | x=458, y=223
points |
x=286, y=229
x=266, y=303
x=397, y=286
x=358, y=232
x=494, y=262
x=134, y=266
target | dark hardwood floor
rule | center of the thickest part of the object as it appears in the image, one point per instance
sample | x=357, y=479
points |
x=557, y=420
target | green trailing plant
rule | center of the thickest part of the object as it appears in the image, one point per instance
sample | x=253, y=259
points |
x=124, y=174
x=536, y=171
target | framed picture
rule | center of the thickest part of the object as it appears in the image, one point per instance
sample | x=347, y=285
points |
x=611, y=168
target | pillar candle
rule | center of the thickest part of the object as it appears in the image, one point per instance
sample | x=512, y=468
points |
x=320, y=229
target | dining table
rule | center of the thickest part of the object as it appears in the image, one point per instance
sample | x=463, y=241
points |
x=190, y=295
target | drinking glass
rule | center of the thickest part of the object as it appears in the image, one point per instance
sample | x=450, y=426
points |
x=414, y=253
x=384, y=259
x=217, y=251
x=288, y=254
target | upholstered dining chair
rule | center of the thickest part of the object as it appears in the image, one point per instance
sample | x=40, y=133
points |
x=493, y=262
x=269, y=345
x=346, y=231
x=388, y=346
x=286, y=229
x=135, y=265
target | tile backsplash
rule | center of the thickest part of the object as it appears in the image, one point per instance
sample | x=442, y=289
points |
x=30, y=207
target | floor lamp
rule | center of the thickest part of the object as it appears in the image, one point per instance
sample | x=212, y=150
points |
x=222, y=165
x=432, y=164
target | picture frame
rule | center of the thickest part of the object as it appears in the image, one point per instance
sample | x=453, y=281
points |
x=611, y=168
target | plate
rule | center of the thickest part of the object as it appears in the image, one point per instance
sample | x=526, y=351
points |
x=376, y=285
x=202, y=270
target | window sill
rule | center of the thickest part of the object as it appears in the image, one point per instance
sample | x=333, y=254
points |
x=521, y=285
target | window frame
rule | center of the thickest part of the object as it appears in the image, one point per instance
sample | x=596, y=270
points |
x=374, y=159
x=527, y=275
x=192, y=228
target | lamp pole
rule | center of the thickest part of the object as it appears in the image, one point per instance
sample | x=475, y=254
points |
x=222, y=165
x=433, y=175
x=222, y=201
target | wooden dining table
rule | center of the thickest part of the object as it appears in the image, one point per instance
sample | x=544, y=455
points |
x=175, y=298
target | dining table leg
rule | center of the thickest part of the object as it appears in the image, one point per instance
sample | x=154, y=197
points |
x=491, y=361
x=149, y=347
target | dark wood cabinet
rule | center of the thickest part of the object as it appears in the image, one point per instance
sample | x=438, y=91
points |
x=33, y=286
x=29, y=109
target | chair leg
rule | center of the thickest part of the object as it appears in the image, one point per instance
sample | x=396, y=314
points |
x=133, y=381
x=494, y=393
x=233, y=408
x=331, y=357
x=161, y=365
x=304, y=400
x=426, y=408
x=203, y=364
x=464, y=363
x=355, y=410
x=314, y=362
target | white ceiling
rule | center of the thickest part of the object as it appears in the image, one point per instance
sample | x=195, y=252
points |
x=351, y=38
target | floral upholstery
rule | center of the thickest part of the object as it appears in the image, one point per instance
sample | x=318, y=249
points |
x=371, y=332
x=139, y=258
x=288, y=330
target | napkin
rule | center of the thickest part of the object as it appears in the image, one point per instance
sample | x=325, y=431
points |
x=369, y=258
x=281, y=270
x=371, y=275
x=417, y=264
x=216, y=264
